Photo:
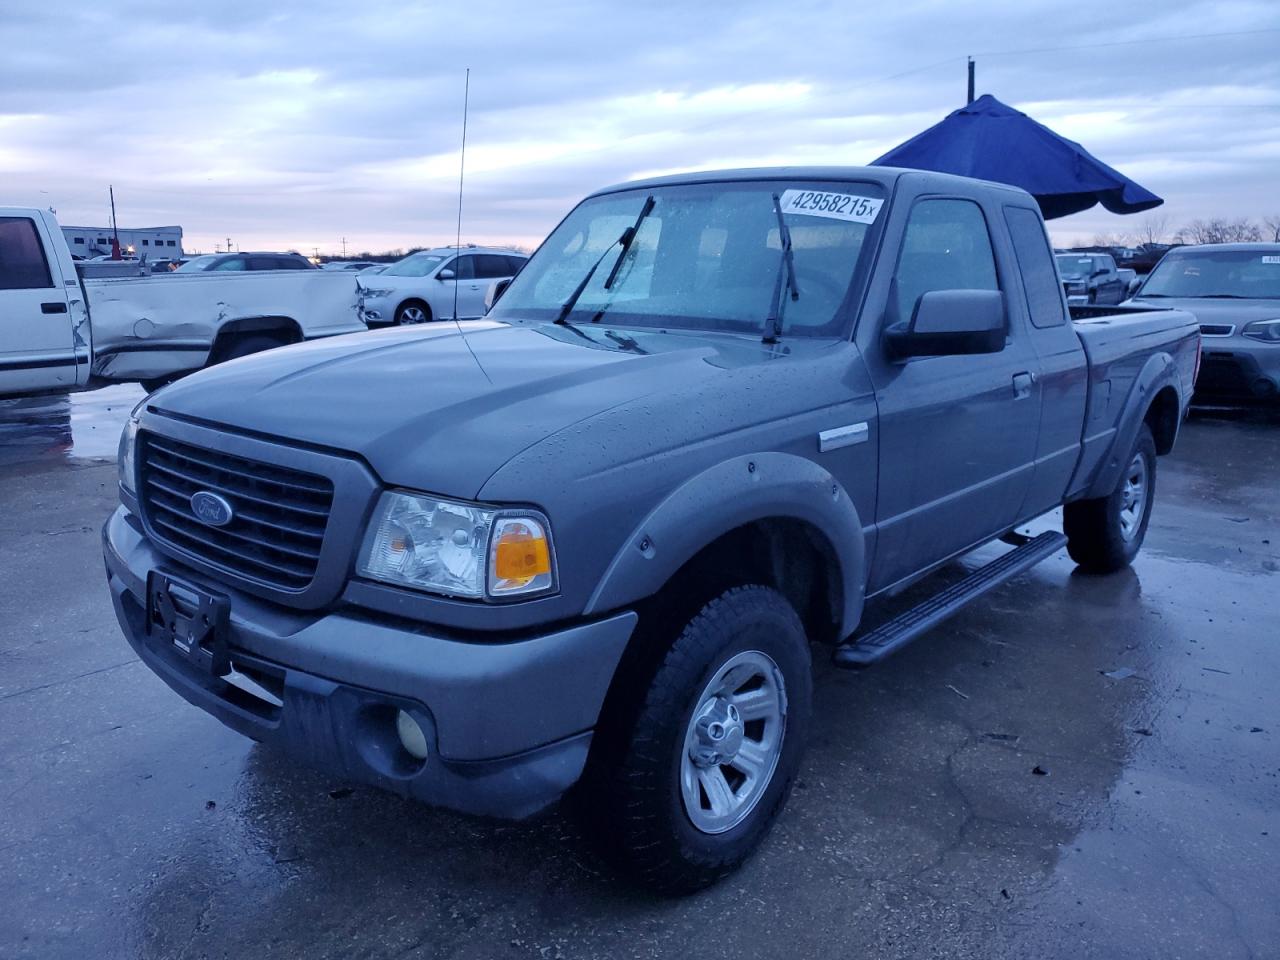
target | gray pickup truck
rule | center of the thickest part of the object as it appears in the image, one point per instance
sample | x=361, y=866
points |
x=590, y=539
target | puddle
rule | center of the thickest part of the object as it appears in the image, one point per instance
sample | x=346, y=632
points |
x=80, y=426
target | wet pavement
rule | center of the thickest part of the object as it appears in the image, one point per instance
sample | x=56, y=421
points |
x=1074, y=767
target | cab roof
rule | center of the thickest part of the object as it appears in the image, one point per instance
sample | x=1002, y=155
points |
x=887, y=177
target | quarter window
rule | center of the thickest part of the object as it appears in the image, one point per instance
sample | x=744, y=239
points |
x=1036, y=264
x=946, y=247
x=22, y=262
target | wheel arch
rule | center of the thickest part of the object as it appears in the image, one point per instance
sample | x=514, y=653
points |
x=1155, y=399
x=778, y=519
x=286, y=328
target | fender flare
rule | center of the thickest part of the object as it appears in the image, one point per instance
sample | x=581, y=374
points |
x=727, y=496
x=1158, y=372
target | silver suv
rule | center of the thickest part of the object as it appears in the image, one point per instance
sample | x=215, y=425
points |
x=426, y=285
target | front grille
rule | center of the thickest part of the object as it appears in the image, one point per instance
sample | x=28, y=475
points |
x=278, y=514
x=1216, y=329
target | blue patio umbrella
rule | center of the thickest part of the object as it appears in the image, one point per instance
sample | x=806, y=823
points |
x=991, y=141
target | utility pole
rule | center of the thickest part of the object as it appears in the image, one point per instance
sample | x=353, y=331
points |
x=115, y=231
x=971, y=65
x=344, y=248
x=228, y=244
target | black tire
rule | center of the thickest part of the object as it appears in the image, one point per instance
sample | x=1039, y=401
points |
x=154, y=384
x=636, y=797
x=1105, y=534
x=245, y=345
x=406, y=312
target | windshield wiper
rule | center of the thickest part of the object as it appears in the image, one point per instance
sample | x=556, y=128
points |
x=787, y=268
x=628, y=235
x=628, y=239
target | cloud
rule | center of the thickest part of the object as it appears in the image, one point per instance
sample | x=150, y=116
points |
x=292, y=125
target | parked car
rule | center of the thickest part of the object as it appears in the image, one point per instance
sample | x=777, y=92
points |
x=349, y=265
x=1091, y=278
x=592, y=537
x=424, y=286
x=211, y=262
x=1131, y=281
x=61, y=329
x=1233, y=289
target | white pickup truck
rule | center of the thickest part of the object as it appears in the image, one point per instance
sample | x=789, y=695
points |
x=59, y=331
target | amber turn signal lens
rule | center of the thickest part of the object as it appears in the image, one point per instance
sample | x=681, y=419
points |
x=520, y=554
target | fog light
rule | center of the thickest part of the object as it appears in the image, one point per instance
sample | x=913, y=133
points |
x=412, y=738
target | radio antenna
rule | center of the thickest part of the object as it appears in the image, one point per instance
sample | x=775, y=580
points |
x=462, y=169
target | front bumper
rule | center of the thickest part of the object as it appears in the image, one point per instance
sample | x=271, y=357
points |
x=1240, y=369
x=508, y=725
x=377, y=311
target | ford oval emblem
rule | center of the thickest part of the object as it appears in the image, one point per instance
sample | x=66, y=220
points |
x=211, y=509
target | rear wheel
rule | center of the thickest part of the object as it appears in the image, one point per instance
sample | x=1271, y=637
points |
x=1106, y=533
x=705, y=763
x=412, y=311
x=241, y=346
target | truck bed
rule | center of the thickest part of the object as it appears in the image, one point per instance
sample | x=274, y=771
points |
x=1122, y=344
x=153, y=326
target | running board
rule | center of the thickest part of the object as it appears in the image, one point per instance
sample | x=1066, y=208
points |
x=908, y=625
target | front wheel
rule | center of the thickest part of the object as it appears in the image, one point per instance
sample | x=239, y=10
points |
x=709, y=757
x=412, y=312
x=1106, y=533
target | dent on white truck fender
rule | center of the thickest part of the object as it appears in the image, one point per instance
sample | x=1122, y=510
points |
x=727, y=496
x=1158, y=372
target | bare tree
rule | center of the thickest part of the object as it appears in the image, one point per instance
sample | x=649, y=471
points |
x=1272, y=223
x=1154, y=228
x=1110, y=240
x=1219, y=230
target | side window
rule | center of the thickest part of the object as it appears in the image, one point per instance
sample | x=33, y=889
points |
x=946, y=247
x=514, y=264
x=22, y=262
x=1035, y=263
x=491, y=267
x=464, y=268
x=234, y=263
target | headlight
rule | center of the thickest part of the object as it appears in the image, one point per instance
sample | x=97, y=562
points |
x=124, y=456
x=458, y=549
x=376, y=294
x=1268, y=331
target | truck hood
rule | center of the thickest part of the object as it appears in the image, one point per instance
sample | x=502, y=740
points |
x=427, y=407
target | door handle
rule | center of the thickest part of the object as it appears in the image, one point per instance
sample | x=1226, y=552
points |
x=59, y=307
x=1022, y=383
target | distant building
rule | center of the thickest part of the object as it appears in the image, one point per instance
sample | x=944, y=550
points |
x=158, y=243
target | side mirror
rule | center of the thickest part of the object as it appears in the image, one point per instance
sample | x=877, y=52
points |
x=950, y=322
x=446, y=274
x=496, y=290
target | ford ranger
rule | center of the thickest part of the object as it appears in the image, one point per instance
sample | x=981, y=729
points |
x=592, y=538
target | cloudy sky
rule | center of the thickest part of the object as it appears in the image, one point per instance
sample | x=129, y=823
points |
x=290, y=124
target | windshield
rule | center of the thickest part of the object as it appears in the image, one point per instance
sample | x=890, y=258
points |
x=414, y=265
x=197, y=264
x=706, y=256
x=1075, y=268
x=1251, y=274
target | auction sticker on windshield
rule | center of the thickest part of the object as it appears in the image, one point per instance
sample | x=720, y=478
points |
x=838, y=206
x=1271, y=259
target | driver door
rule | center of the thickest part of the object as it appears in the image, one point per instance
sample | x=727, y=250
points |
x=957, y=433
x=470, y=290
